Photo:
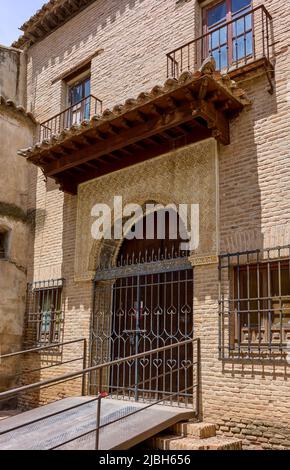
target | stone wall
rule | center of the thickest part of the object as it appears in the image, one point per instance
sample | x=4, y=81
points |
x=13, y=75
x=16, y=131
x=253, y=180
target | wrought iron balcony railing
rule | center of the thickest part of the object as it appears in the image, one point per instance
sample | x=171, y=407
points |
x=74, y=114
x=242, y=41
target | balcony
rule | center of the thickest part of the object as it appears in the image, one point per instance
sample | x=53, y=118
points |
x=73, y=115
x=243, y=44
x=197, y=106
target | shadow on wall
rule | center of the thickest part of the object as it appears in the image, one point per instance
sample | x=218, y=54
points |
x=60, y=52
x=111, y=12
x=241, y=170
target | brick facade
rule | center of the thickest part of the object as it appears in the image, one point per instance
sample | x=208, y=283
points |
x=248, y=401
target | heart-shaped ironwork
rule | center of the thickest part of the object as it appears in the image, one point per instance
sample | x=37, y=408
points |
x=186, y=364
x=130, y=363
x=132, y=312
x=158, y=311
x=144, y=362
x=171, y=310
x=171, y=363
x=186, y=310
x=145, y=312
x=157, y=363
x=120, y=313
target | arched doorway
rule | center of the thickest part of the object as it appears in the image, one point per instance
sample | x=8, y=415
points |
x=144, y=303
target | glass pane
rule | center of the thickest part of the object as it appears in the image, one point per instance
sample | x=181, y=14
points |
x=242, y=25
x=223, y=35
x=218, y=38
x=238, y=48
x=214, y=40
x=220, y=57
x=76, y=94
x=45, y=324
x=238, y=27
x=87, y=87
x=217, y=14
x=248, y=21
x=249, y=43
x=87, y=109
x=237, y=5
x=223, y=57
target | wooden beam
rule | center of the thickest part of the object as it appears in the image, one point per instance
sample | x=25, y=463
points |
x=215, y=119
x=194, y=136
x=130, y=136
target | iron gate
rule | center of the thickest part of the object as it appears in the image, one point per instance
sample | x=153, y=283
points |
x=138, y=308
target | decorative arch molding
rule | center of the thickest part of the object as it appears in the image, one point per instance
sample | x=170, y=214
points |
x=183, y=176
x=104, y=251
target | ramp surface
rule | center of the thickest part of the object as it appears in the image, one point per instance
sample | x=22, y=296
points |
x=55, y=431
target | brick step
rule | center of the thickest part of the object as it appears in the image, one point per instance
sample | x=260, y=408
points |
x=194, y=429
x=173, y=442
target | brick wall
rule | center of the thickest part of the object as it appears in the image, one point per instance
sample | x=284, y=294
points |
x=254, y=190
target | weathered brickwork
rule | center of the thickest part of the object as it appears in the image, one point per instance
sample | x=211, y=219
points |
x=247, y=401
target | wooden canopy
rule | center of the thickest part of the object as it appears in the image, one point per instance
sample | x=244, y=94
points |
x=193, y=108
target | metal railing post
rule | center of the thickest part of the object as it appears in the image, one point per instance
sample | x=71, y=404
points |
x=99, y=410
x=198, y=373
x=85, y=348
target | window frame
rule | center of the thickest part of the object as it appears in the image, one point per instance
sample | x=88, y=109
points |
x=265, y=300
x=254, y=314
x=229, y=17
x=80, y=109
x=44, y=325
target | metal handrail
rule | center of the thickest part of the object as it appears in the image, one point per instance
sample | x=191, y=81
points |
x=214, y=30
x=49, y=347
x=41, y=348
x=57, y=122
x=73, y=375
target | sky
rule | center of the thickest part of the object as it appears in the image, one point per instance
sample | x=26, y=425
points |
x=13, y=13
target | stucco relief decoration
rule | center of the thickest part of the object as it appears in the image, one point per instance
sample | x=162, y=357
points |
x=184, y=176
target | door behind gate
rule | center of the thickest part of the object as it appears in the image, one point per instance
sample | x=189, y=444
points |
x=141, y=304
x=139, y=312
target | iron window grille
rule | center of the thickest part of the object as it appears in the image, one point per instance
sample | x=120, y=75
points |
x=45, y=314
x=254, y=303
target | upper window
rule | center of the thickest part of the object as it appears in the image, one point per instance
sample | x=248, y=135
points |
x=230, y=29
x=79, y=100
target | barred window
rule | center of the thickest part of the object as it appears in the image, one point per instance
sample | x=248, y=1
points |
x=45, y=312
x=255, y=301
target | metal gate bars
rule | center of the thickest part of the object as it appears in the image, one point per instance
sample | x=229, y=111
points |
x=139, y=308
